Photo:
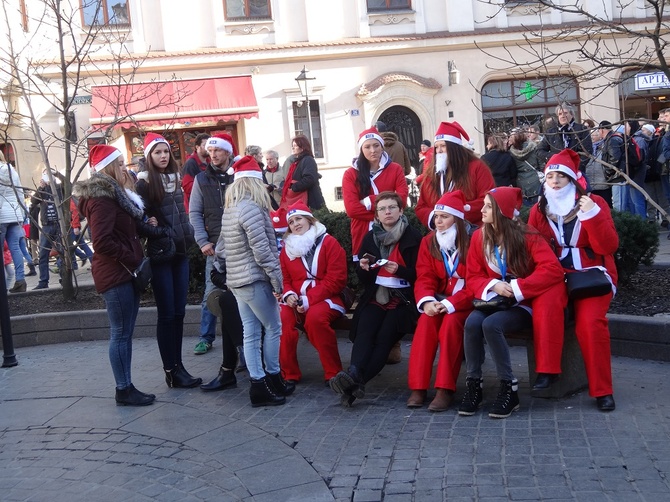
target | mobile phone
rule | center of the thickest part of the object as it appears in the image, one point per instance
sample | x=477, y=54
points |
x=370, y=257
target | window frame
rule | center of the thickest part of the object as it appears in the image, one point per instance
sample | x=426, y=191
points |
x=388, y=8
x=105, y=15
x=296, y=98
x=247, y=17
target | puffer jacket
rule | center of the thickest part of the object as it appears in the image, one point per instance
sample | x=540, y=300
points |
x=248, y=246
x=12, y=209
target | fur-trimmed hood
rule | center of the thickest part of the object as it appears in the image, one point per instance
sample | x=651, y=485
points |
x=101, y=185
x=92, y=188
x=527, y=149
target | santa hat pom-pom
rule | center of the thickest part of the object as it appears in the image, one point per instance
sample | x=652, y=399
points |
x=581, y=180
x=236, y=158
x=230, y=171
x=516, y=213
x=466, y=207
x=275, y=219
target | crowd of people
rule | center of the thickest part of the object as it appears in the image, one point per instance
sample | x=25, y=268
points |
x=273, y=272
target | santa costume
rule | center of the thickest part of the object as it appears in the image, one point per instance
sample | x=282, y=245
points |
x=480, y=179
x=361, y=209
x=440, y=279
x=314, y=268
x=582, y=240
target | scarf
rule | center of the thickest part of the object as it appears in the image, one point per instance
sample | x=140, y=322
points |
x=297, y=246
x=447, y=239
x=562, y=201
x=129, y=201
x=170, y=181
x=386, y=239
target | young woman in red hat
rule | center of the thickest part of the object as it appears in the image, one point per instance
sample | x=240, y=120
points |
x=161, y=190
x=372, y=172
x=314, y=267
x=454, y=167
x=444, y=303
x=509, y=259
x=582, y=231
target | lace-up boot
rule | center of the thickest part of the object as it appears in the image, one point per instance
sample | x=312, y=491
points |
x=507, y=400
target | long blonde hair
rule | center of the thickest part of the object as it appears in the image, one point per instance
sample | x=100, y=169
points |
x=252, y=188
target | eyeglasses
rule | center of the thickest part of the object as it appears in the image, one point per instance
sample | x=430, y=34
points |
x=383, y=209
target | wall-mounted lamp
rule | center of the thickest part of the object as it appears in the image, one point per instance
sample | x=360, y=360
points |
x=454, y=73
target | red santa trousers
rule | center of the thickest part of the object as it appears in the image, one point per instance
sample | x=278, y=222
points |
x=548, y=320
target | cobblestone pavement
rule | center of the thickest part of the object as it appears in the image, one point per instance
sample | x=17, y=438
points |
x=63, y=438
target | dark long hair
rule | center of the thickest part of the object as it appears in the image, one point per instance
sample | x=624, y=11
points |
x=363, y=176
x=510, y=235
x=458, y=160
x=155, y=181
x=302, y=142
x=542, y=204
x=462, y=242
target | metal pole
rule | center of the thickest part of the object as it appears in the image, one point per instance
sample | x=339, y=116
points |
x=8, y=357
x=309, y=122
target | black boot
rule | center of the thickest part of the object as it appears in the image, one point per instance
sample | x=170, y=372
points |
x=507, y=400
x=130, y=396
x=225, y=378
x=241, y=361
x=279, y=385
x=473, y=397
x=178, y=377
x=262, y=394
x=32, y=272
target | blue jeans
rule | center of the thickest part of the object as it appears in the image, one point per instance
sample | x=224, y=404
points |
x=122, y=305
x=170, y=286
x=617, y=197
x=207, y=319
x=24, y=249
x=13, y=234
x=634, y=201
x=48, y=234
x=665, y=183
x=492, y=328
x=258, y=307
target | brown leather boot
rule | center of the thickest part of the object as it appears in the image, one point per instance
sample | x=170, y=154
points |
x=416, y=399
x=442, y=401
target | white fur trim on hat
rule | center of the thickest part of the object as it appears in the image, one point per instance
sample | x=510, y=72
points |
x=448, y=137
x=368, y=136
x=248, y=174
x=151, y=145
x=221, y=143
x=107, y=160
x=295, y=212
x=561, y=169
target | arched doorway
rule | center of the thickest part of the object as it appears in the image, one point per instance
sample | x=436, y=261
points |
x=406, y=124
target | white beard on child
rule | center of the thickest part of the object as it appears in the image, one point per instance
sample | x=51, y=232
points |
x=447, y=239
x=560, y=202
x=441, y=162
x=299, y=245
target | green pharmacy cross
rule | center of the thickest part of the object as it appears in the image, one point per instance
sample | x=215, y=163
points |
x=529, y=91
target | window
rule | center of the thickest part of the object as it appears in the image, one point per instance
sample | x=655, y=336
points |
x=105, y=13
x=240, y=10
x=382, y=5
x=511, y=103
x=301, y=125
x=338, y=193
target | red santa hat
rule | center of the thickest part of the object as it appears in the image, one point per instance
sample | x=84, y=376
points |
x=509, y=200
x=298, y=208
x=566, y=162
x=371, y=133
x=101, y=156
x=151, y=140
x=222, y=141
x=279, y=220
x=452, y=203
x=451, y=131
x=247, y=167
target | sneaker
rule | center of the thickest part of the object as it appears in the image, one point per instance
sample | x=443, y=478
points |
x=507, y=400
x=473, y=397
x=202, y=348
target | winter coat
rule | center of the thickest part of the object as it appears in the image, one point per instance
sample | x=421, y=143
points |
x=578, y=139
x=528, y=165
x=248, y=246
x=397, y=151
x=206, y=204
x=306, y=178
x=12, y=209
x=595, y=171
x=503, y=167
x=118, y=250
x=361, y=210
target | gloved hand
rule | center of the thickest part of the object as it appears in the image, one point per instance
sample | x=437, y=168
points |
x=219, y=279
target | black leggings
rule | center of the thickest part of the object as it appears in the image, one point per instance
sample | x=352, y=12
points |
x=376, y=334
x=231, y=328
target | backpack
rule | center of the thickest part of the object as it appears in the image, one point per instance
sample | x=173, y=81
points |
x=634, y=153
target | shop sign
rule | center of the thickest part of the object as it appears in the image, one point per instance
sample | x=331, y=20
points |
x=648, y=81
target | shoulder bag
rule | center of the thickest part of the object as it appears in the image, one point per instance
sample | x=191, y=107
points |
x=142, y=275
x=495, y=304
x=587, y=283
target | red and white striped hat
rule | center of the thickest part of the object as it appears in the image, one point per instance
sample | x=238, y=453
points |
x=247, y=167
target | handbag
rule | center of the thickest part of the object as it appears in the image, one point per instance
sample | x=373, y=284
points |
x=495, y=304
x=587, y=283
x=161, y=249
x=348, y=297
x=142, y=275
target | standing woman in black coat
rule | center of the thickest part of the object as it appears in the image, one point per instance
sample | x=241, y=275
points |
x=501, y=163
x=302, y=179
x=160, y=188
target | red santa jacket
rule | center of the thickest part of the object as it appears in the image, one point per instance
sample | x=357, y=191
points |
x=594, y=238
x=546, y=271
x=329, y=267
x=481, y=181
x=431, y=278
x=391, y=177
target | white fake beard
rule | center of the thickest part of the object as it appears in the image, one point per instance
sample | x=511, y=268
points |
x=560, y=202
x=298, y=246
x=441, y=162
x=447, y=239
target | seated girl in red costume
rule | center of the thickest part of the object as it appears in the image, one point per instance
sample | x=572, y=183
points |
x=444, y=303
x=582, y=230
x=314, y=267
x=509, y=259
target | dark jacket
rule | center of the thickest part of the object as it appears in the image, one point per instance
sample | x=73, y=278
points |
x=117, y=245
x=44, y=198
x=573, y=136
x=503, y=167
x=207, y=200
x=306, y=178
x=408, y=246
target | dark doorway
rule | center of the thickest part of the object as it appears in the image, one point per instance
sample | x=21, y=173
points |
x=406, y=124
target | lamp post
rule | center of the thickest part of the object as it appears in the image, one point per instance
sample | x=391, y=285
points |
x=303, y=83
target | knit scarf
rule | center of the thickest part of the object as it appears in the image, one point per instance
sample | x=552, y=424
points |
x=386, y=239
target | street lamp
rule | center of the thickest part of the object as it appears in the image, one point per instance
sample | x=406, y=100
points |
x=303, y=83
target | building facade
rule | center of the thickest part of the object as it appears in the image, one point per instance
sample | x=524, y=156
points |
x=180, y=68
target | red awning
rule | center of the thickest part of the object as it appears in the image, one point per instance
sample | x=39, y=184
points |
x=174, y=102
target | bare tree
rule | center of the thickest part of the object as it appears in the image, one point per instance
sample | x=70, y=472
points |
x=53, y=63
